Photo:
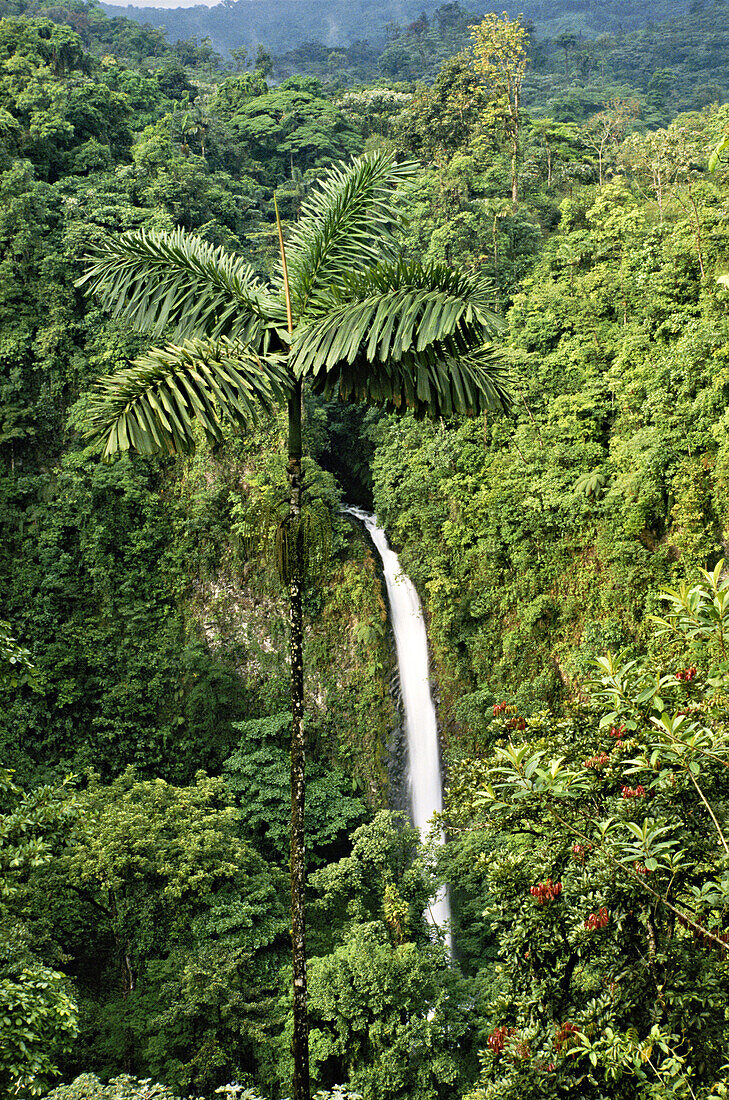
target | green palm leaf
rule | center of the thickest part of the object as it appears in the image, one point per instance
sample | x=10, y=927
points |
x=347, y=224
x=391, y=309
x=405, y=334
x=177, y=281
x=153, y=404
x=439, y=381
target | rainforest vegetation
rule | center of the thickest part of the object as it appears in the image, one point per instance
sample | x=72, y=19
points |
x=569, y=553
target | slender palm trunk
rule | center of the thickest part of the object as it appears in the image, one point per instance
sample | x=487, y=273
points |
x=300, y=1042
x=298, y=787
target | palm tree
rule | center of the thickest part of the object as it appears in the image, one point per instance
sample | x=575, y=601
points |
x=344, y=312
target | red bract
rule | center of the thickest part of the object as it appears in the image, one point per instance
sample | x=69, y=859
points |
x=634, y=792
x=497, y=1038
x=565, y=1036
x=517, y=723
x=686, y=674
x=546, y=891
x=598, y=761
x=598, y=920
x=617, y=732
x=503, y=708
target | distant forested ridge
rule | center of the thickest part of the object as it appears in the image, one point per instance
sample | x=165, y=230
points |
x=280, y=26
x=285, y=25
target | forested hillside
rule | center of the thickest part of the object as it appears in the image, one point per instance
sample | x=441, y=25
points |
x=568, y=552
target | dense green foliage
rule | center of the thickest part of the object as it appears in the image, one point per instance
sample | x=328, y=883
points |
x=143, y=927
x=39, y=1014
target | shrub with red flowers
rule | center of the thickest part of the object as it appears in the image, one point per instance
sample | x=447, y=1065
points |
x=616, y=973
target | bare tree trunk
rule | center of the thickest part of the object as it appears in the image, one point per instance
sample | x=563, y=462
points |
x=514, y=113
x=514, y=179
x=496, y=252
x=697, y=229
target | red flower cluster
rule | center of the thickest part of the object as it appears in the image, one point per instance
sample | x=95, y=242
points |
x=497, y=1038
x=686, y=674
x=578, y=852
x=503, y=708
x=598, y=761
x=641, y=868
x=634, y=792
x=565, y=1036
x=517, y=723
x=595, y=921
x=546, y=891
x=617, y=732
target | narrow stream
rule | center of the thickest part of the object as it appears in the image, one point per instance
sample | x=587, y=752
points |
x=426, y=788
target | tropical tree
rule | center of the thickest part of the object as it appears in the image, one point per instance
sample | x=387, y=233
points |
x=499, y=48
x=608, y=127
x=343, y=311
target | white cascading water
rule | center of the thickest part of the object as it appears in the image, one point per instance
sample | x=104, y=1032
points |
x=411, y=640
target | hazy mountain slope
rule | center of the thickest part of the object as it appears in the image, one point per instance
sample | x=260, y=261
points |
x=280, y=26
x=285, y=25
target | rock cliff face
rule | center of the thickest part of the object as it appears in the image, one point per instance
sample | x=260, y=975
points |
x=349, y=663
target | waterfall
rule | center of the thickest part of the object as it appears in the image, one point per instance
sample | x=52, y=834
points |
x=411, y=641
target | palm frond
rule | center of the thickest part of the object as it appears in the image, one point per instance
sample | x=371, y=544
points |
x=392, y=309
x=404, y=334
x=348, y=223
x=176, y=280
x=265, y=524
x=440, y=381
x=153, y=404
x=303, y=544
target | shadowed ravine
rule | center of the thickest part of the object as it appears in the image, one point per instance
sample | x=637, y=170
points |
x=426, y=789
